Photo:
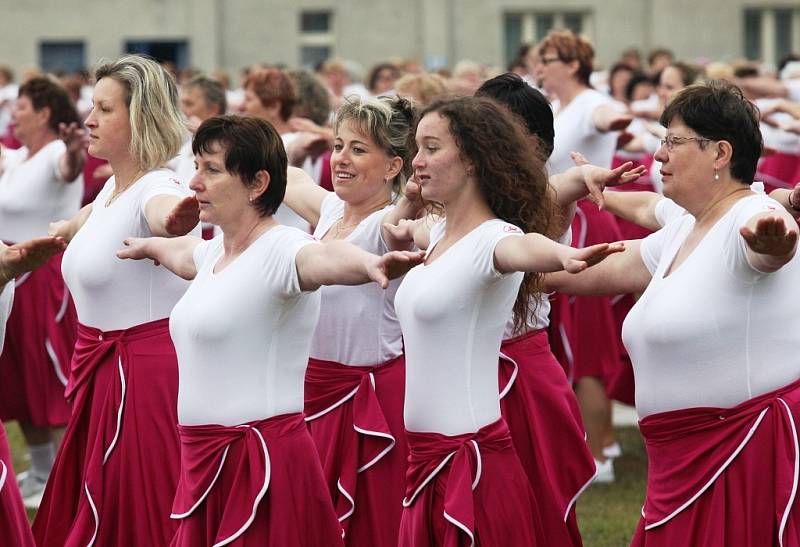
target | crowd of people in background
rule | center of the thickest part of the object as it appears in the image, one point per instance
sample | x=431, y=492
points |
x=587, y=196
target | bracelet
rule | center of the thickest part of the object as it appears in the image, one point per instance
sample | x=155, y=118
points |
x=789, y=199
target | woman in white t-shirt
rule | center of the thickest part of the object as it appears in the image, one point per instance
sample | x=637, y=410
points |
x=355, y=378
x=453, y=311
x=242, y=332
x=15, y=261
x=106, y=487
x=713, y=338
x=39, y=183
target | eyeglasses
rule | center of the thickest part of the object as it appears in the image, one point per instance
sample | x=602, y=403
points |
x=671, y=141
x=547, y=61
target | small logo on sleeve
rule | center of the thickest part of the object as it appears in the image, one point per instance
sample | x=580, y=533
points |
x=510, y=228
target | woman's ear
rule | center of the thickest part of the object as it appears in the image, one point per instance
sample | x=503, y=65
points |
x=261, y=184
x=394, y=168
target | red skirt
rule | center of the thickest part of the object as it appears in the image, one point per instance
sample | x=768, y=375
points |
x=40, y=338
x=723, y=477
x=14, y=528
x=355, y=415
x=116, y=471
x=467, y=490
x=544, y=419
x=254, y=484
x=594, y=340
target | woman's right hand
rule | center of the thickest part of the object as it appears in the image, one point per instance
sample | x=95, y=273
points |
x=27, y=256
x=136, y=248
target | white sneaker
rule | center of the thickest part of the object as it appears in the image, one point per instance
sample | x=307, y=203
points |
x=605, y=471
x=612, y=451
x=32, y=488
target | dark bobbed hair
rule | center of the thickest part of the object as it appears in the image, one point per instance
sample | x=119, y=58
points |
x=46, y=93
x=528, y=103
x=250, y=145
x=718, y=110
x=511, y=178
x=637, y=78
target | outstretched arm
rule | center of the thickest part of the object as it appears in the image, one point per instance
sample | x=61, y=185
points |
x=619, y=273
x=537, y=253
x=171, y=216
x=790, y=199
x=66, y=229
x=636, y=207
x=341, y=263
x=771, y=240
x=303, y=195
x=174, y=253
x=27, y=256
x=607, y=119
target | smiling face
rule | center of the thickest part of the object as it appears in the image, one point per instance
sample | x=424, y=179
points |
x=360, y=168
x=109, y=122
x=223, y=196
x=438, y=167
x=28, y=120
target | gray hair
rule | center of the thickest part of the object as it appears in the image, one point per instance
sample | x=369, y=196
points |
x=157, y=129
x=213, y=92
x=388, y=121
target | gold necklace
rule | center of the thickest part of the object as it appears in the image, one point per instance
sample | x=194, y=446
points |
x=116, y=193
x=340, y=227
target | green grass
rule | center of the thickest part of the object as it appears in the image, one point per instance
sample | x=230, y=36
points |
x=607, y=514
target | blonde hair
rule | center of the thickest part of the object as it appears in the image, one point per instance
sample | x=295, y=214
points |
x=424, y=87
x=157, y=128
x=389, y=122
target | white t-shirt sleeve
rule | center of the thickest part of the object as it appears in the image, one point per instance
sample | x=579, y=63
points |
x=484, y=249
x=205, y=251
x=279, y=268
x=735, y=250
x=167, y=185
x=667, y=210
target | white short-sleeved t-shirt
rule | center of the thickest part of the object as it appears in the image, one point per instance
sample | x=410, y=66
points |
x=33, y=194
x=242, y=334
x=452, y=313
x=539, y=310
x=667, y=210
x=714, y=332
x=109, y=293
x=357, y=325
x=575, y=132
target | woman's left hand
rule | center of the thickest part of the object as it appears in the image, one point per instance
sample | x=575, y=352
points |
x=596, y=178
x=393, y=265
x=74, y=136
x=589, y=256
x=183, y=217
x=27, y=256
x=771, y=236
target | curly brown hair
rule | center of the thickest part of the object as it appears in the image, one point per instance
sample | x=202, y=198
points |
x=510, y=174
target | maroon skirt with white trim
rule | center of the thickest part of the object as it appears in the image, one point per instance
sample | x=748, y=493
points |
x=724, y=477
x=355, y=415
x=14, y=528
x=254, y=484
x=40, y=338
x=542, y=413
x=594, y=340
x=468, y=490
x=116, y=471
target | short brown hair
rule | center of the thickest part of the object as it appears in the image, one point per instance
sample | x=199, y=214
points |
x=571, y=47
x=272, y=84
x=46, y=93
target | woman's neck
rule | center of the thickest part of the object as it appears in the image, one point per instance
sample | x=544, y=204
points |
x=38, y=141
x=239, y=235
x=356, y=212
x=719, y=203
x=126, y=171
x=568, y=92
x=465, y=213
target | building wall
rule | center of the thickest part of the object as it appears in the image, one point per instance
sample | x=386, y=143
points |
x=230, y=34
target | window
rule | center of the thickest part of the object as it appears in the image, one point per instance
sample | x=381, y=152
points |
x=770, y=34
x=531, y=27
x=62, y=56
x=163, y=51
x=316, y=37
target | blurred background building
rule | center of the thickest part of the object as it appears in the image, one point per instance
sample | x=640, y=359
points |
x=229, y=34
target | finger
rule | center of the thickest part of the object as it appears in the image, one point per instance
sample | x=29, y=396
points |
x=575, y=266
x=578, y=158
